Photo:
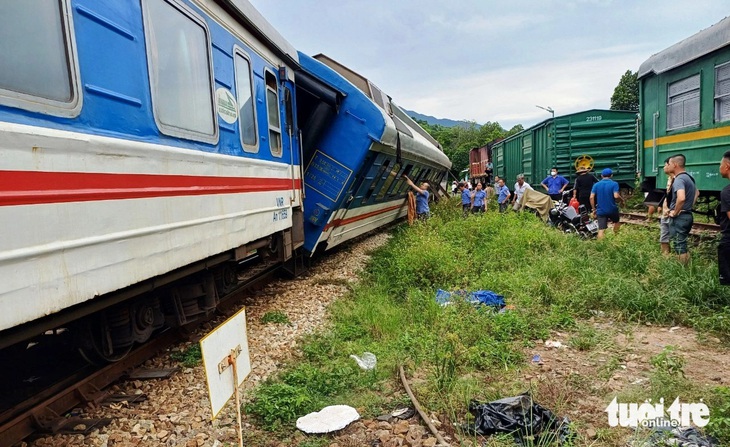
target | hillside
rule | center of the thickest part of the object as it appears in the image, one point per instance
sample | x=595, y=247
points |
x=440, y=121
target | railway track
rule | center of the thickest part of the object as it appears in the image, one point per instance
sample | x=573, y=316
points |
x=698, y=228
x=47, y=410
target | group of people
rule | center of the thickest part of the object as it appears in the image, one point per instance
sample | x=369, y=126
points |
x=600, y=198
x=475, y=201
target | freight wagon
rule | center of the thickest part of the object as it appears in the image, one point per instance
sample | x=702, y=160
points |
x=608, y=137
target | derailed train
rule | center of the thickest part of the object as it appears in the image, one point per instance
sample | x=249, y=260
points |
x=144, y=142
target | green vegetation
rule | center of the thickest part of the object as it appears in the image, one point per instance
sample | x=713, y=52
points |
x=452, y=354
x=626, y=94
x=275, y=316
x=190, y=357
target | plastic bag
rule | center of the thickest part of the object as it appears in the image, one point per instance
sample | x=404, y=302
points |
x=367, y=361
x=520, y=417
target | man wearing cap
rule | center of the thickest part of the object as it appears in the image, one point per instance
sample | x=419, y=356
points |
x=603, y=202
x=583, y=187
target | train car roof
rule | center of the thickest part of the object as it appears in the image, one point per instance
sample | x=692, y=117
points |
x=380, y=98
x=706, y=41
x=415, y=140
x=247, y=15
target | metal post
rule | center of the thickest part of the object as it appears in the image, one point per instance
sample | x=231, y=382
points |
x=552, y=113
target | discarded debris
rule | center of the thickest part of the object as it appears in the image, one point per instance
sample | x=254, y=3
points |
x=485, y=297
x=520, y=416
x=678, y=436
x=328, y=419
x=537, y=359
x=367, y=361
x=553, y=344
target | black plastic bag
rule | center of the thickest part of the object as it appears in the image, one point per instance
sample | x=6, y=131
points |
x=528, y=422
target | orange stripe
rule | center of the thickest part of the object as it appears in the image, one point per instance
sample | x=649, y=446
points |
x=341, y=222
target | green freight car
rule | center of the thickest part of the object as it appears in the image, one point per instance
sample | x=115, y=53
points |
x=684, y=97
x=607, y=137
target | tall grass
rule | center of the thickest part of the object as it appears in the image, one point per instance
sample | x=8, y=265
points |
x=459, y=352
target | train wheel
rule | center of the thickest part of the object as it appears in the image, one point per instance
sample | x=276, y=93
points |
x=105, y=337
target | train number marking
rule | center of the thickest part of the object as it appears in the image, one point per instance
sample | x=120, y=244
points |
x=281, y=215
x=594, y=118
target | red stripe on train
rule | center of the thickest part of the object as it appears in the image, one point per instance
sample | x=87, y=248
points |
x=37, y=187
x=340, y=222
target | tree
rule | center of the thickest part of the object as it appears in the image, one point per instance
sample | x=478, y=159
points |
x=626, y=94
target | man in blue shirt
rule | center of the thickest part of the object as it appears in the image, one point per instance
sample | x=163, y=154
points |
x=479, y=199
x=465, y=198
x=504, y=195
x=555, y=184
x=684, y=194
x=422, y=209
x=603, y=202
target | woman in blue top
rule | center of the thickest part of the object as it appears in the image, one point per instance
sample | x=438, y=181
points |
x=422, y=209
x=478, y=199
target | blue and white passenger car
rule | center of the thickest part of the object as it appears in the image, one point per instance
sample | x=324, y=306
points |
x=137, y=138
x=354, y=167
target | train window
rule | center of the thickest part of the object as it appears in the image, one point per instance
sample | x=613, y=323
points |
x=388, y=182
x=39, y=69
x=683, y=103
x=246, y=105
x=376, y=180
x=401, y=185
x=178, y=52
x=272, y=107
x=722, y=92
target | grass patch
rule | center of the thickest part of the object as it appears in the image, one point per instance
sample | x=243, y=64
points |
x=275, y=316
x=190, y=357
x=460, y=352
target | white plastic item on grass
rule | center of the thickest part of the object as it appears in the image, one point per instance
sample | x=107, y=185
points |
x=328, y=419
x=367, y=361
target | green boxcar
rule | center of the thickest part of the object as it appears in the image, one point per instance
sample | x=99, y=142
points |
x=684, y=96
x=607, y=136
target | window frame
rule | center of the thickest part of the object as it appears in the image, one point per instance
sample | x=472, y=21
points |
x=684, y=124
x=238, y=51
x=717, y=99
x=271, y=128
x=166, y=129
x=39, y=104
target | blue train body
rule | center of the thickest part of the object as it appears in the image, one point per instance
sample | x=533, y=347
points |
x=143, y=141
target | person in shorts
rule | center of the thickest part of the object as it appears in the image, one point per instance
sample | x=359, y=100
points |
x=603, y=201
x=723, y=248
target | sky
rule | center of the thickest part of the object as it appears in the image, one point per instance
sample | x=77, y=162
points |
x=489, y=60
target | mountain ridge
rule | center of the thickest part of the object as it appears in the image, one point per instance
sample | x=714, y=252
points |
x=432, y=120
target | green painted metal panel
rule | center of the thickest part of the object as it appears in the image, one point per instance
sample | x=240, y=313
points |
x=607, y=136
x=703, y=145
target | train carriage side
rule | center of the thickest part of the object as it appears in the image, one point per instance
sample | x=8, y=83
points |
x=684, y=97
x=608, y=137
x=354, y=167
x=141, y=138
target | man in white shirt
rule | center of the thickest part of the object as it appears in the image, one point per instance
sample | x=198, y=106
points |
x=520, y=187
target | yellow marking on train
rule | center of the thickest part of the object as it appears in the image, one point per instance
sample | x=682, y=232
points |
x=691, y=136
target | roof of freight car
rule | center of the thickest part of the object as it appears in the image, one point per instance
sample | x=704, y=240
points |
x=706, y=41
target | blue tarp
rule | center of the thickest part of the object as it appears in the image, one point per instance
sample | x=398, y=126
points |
x=486, y=297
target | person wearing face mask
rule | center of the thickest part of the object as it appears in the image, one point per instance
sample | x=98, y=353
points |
x=555, y=184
